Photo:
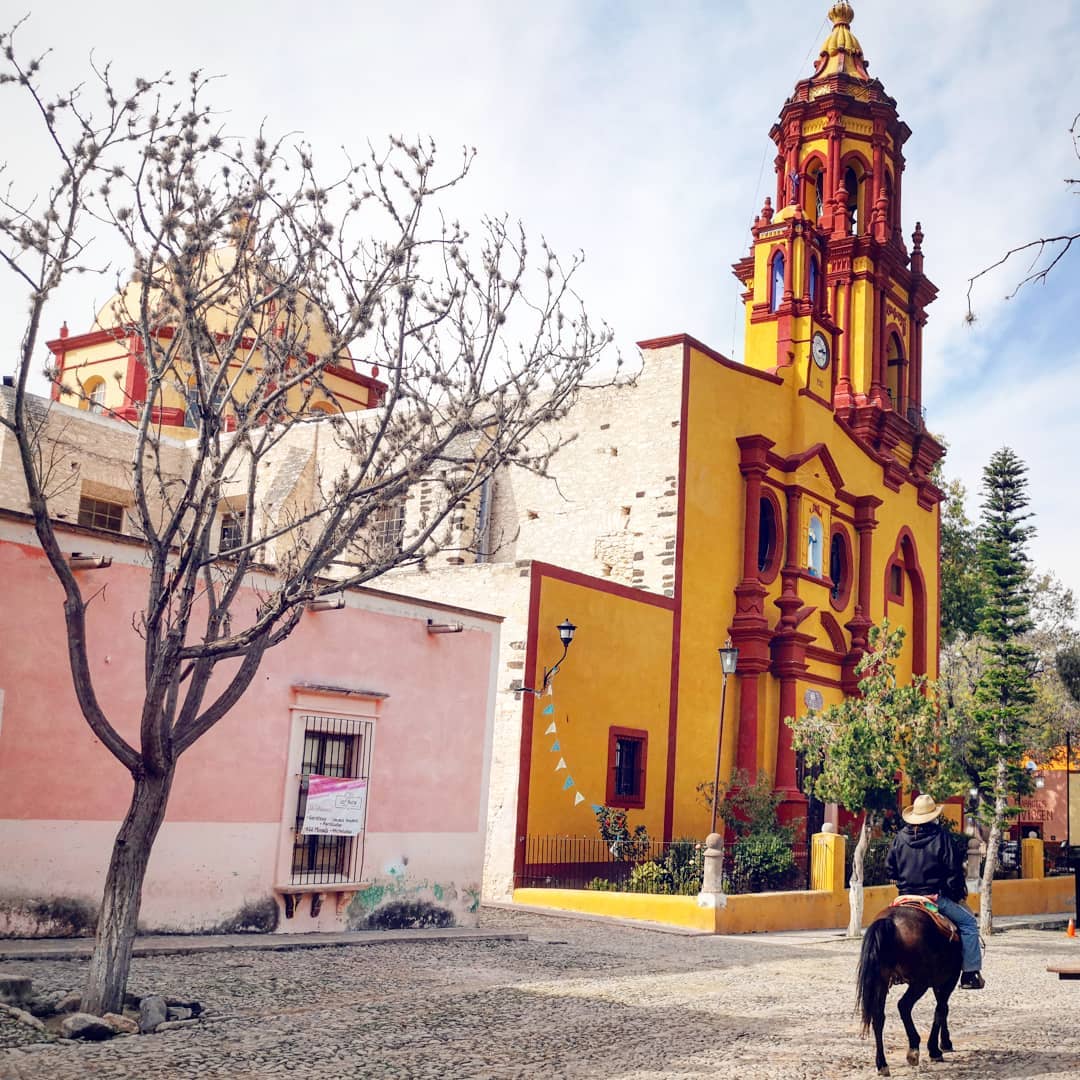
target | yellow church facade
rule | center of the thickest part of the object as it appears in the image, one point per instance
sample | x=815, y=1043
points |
x=806, y=512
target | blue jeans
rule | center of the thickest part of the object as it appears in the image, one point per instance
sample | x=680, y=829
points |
x=968, y=926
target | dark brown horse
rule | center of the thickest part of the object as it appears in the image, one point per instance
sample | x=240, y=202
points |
x=902, y=945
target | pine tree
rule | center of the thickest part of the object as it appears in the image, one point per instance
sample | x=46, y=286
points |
x=1005, y=692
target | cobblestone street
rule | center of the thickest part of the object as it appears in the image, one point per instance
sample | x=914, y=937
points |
x=579, y=999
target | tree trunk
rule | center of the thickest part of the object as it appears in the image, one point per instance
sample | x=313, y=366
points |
x=993, y=842
x=106, y=978
x=855, y=888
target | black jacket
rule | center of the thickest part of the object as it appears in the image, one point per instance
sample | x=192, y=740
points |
x=923, y=861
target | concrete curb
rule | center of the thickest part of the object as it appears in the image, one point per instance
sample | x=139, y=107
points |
x=179, y=945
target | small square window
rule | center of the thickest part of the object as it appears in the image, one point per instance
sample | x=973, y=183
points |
x=99, y=514
x=626, y=767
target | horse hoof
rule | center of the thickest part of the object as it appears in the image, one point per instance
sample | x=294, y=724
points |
x=938, y=1058
x=884, y=1071
x=913, y=1057
x=947, y=1048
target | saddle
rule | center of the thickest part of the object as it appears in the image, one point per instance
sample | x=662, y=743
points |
x=946, y=926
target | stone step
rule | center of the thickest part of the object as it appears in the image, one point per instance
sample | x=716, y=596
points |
x=15, y=989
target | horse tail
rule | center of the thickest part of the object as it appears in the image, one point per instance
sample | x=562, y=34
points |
x=872, y=984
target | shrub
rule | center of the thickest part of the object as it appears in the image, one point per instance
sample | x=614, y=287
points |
x=762, y=862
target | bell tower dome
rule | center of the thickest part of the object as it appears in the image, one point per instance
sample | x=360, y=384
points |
x=831, y=290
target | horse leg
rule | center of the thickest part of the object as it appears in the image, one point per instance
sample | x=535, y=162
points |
x=905, y=1005
x=879, y=1026
x=941, y=1025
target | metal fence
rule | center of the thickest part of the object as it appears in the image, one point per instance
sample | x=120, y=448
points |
x=751, y=864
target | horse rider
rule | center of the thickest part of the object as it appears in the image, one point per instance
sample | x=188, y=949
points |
x=924, y=861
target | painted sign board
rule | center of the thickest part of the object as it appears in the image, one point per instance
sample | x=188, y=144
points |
x=335, y=806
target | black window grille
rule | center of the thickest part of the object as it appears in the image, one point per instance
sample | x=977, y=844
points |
x=232, y=531
x=628, y=768
x=332, y=747
x=99, y=514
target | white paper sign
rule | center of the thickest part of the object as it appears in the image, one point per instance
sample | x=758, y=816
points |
x=335, y=806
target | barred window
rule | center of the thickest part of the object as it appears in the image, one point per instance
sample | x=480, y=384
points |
x=333, y=746
x=626, y=767
x=100, y=514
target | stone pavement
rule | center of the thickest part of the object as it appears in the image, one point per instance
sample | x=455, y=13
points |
x=578, y=999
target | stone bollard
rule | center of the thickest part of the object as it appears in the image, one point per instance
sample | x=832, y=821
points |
x=712, y=880
x=1031, y=858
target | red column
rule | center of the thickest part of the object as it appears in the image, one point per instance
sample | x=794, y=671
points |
x=749, y=629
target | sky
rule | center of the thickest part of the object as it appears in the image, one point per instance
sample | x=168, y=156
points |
x=637, y=132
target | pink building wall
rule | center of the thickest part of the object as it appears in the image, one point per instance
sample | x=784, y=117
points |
x=227, y=834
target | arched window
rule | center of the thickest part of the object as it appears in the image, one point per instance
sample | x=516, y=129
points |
x=815, y=538
x=889, y=212
x=813, y=284
x=894, y=374
x=851, y=186
x=776, y=283
x=95, y=396
x=766, y=535
x=840, y=568
x=819, y=194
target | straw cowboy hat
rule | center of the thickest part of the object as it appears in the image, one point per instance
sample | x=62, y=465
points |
x=922, y=810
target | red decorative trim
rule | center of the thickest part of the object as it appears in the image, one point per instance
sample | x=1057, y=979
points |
x=825, y=656
x=840, y=601
x=906, y=553
x=528, y=708
x=819, y=450
x=687, y=341
x=836, y=635
x=822, y=680
x=604, y=585
x=805, y=391
x=626, y=802
x=676, y=625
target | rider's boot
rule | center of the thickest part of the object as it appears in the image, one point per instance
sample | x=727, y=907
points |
x=972, y=980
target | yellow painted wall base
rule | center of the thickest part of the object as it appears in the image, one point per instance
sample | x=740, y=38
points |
x=761, y=912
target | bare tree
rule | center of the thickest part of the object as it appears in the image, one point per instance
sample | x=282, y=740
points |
x=1044, y=253
x=252, y=278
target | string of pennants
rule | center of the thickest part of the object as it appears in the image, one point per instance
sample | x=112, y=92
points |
x=568, y=782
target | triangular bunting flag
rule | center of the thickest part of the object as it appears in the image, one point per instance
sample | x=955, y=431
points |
x=551, y=689
x=561, y=765
x=578, y=798
x=550, y=729
x=569, y=783
x=548, y=709
x=554, y=747
x=595, y=807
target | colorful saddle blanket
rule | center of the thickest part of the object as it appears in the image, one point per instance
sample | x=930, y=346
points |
x=946, y=926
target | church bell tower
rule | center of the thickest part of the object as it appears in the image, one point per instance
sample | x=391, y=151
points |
x=831, y=289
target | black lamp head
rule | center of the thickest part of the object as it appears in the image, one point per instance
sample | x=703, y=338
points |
x=566, y=632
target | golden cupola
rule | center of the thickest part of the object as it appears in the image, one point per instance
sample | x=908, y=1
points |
x=842, y=54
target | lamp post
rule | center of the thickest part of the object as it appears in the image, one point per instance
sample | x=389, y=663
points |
x=729, y=658
x=566, y=635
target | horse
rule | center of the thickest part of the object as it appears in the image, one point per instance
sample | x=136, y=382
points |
x=902, y=945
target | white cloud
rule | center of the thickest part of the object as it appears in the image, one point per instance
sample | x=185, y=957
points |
x=639, y=132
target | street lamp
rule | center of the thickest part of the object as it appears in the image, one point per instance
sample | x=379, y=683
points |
x=729, y=658
x=566, y=634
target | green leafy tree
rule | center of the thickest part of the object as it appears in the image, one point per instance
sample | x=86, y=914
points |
x=863, y=745
x=961, y=582
x=1005, y=692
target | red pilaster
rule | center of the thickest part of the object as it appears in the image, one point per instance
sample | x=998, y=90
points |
x=750, y=629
